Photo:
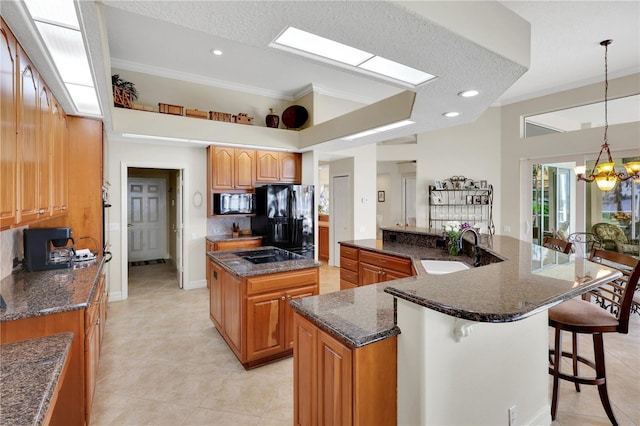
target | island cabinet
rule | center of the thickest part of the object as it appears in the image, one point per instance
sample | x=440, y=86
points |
x=278, y=167
x=252, y=313
x=360, y=267
x=228, y=245
x=337, y=384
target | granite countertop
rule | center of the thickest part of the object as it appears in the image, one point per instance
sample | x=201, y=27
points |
x=32, y=294
x=29, y=373
x=230, y=237
x=235, y=264
x=529, y=279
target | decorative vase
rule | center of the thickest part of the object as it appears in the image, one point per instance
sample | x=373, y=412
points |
x=272, y=119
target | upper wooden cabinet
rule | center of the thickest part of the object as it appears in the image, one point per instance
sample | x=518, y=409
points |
x=231, y=168
x=278, y=167
x=60, y=160
x=8, y=130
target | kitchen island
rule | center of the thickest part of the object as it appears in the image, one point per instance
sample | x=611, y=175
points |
x=470, y=345
x=249, y=295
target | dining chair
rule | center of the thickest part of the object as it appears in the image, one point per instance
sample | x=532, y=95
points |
x=579, y=316
x=584, y=242
x=557, y=244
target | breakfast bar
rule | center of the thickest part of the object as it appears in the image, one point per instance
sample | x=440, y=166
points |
x=480, y=335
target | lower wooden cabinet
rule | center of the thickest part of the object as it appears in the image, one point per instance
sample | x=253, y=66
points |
x=253, y=314
x=227, y=245
x=339, y=385
x=363, y=267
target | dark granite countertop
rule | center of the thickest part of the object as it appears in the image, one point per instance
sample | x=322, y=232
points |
x=235, y=264
x=29, y=373
x=32, y=294
x=230, y=237
x=529, y=280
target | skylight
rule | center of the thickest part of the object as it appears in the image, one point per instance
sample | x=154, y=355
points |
x=317, y=47
x=58, y=26
x=380, y=129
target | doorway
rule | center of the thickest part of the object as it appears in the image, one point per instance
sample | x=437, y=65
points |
x=409, y=199
x=158, y=205
x=553, y=201
x=341, y=214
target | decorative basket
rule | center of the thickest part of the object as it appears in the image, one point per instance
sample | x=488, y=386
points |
x=122, y=98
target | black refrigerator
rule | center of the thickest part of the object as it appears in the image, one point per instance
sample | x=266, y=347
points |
x=284, y=217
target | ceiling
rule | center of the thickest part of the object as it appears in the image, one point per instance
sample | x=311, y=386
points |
x=174, y=38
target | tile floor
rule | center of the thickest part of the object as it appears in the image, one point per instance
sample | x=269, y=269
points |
x=163, y=363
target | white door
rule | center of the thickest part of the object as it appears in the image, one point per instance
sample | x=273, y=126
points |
x=179, y=228
x=146, y=211
x=341, y=214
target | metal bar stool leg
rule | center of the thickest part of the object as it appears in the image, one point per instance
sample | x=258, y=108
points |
x=557, y=359
x=574, y=358
x=598, y=349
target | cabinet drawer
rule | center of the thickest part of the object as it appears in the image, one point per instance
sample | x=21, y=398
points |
x=399, y=264
x=350, y=276
x=350, y=252
x=350, y=264
x=238, y=244
x=300, y=278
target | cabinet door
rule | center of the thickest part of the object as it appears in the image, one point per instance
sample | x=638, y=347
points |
x=91, y=359
x=265, y=325
x=45, y=133
x=216, y=301
x=305, y=372
x=334, y=382
x=290, y=167
x=288, y=310
x=221, y=164
x=244, y=168
x=323, y=243
x=60, y=160
x=232, y=322
x=27, y=139
x=390, y=275
x=8, y=130
x=369, y=274
x=267, y=166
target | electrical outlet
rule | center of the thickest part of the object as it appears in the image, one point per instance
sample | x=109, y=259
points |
x=507, y=228
x=512, y=416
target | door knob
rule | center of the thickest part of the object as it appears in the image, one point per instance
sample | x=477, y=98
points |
x=129, y=225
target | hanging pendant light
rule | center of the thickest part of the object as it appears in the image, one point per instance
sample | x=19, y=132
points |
x=604, y=174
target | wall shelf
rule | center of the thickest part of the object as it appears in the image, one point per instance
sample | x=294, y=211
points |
x=467, y=203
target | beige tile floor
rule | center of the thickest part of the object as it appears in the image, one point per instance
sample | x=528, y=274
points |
x=163, y=363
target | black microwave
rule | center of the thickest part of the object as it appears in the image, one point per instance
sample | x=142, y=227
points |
x=224, y=203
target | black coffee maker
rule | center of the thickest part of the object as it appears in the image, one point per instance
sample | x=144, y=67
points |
x=48, y=248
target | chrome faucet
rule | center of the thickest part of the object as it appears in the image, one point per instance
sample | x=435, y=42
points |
x=476, y=253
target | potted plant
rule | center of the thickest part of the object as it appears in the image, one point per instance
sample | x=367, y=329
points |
x=124, y=92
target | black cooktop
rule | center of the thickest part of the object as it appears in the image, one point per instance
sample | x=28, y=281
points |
x=268, y=256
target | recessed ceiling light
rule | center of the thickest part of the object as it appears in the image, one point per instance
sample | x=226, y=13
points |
x=469, y=93
x=216, y=52
x=451, y=114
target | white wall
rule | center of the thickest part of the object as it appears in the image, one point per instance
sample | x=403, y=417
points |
x=193, y=160
x=578, y=145
x=472, y=150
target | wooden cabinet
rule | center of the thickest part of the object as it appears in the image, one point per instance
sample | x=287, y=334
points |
x=34, y=156
x=323, y=242
x=337, y=384
x=8, y=130
x=230, y=168
x=253, y=314
x=363, y=267
x=237, y=244
x=27, y=139
x=278, y=167
x=73, y=406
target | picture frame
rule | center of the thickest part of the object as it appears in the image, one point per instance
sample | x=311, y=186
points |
x=469, y=199
x=477, y=199
x=381, y=196
x=439, y=185
x=483, y=184
x=485, y=199
x=436, y=198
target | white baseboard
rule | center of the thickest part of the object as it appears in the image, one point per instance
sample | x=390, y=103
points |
x=116, y=296
x=542, y=418
x=195, y=284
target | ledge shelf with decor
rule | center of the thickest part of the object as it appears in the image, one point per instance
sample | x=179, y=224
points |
x=463, y=200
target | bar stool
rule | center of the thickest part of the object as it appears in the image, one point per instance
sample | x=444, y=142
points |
x=581, y=316
x=557, y=244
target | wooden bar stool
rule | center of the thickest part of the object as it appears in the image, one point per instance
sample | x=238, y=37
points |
x=581, y=316
x=557, y=244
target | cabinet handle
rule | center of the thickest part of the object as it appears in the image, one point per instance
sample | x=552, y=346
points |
x=289, y=297
x=64, y=207
x=41, y=211
x=97, y=321
x=282, y=298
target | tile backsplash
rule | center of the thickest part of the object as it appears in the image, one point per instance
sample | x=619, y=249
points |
x=224, y=225
x=11, y=246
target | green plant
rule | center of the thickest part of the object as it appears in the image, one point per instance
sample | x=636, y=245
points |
x=125, y=85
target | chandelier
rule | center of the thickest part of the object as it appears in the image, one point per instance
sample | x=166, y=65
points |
x=604, y=174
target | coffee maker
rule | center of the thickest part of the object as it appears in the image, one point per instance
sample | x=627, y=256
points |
x=48, y=248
